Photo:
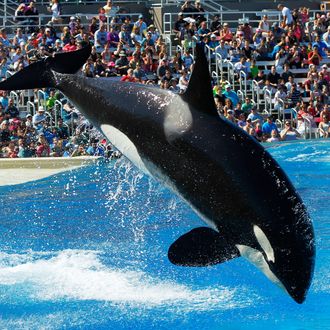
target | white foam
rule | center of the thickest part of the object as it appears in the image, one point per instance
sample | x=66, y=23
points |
x=80, y=275
x=316, y=156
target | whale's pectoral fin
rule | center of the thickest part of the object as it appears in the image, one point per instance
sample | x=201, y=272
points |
x=201, y=247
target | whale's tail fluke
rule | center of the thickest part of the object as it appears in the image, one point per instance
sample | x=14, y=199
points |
x=40, y=74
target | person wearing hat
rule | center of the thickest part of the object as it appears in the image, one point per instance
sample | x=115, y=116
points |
x=39, y=119
x=154, y=32
x=213, y=43
x=28, y=121
x=142, y=25
x=73, y=25
x=230, y=94
x=225, y=33
x=122, y=63
x=257, y=37
x=277, y=32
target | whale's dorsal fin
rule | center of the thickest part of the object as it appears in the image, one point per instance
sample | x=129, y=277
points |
x=201, y=246
x=199, y=91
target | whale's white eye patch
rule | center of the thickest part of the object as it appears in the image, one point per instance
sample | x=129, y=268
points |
x=264, y=243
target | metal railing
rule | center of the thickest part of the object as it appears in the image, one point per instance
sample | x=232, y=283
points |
x=13, y=95
x=309, y=128
x=42, y=98
x=230, y=73
x=209, y=55
x=31, y=106
x=268, y=100
x=11, y=22
x=232, y=17
x=58, y=108
x=242, y=81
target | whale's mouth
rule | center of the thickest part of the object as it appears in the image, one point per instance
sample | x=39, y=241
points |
x=256, y=258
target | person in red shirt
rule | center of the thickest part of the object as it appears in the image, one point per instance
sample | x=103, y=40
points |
x=314, y=57
x=129, y=76
x=311, y=109
x=71, y=46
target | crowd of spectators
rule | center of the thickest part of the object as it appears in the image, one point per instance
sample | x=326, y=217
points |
x=296, y=41
x=134, y=51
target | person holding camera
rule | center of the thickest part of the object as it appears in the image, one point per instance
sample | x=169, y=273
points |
x=289, y=133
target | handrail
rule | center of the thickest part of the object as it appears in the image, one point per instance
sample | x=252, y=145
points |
x=208, y=49
x=43, y=19
x=240, y=95
x=9, y=74
x=218, y=60
x=234, y=16
x=30, y=105
x=215, y=76
x=44, y=96
x=168, y=43
x=242, y=81
x=230, y=73
x=268, y=100
x=57, y=103
x=14, y=95
x=309, y=126
x=256, y=92
x=51, y=118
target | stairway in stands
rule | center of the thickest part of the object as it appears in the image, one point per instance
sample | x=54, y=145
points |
x=8, y=10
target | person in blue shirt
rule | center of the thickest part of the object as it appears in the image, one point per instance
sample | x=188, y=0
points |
x=321, y=46
x=95, y=150
x=203, y=31
x=148, y=43
x=268, y=126
x=4, y=99
x=230, y=94
x=213, y=42
x=187, y=59
x=255, y=116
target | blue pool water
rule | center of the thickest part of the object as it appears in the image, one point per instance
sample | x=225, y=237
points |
x=88, y=249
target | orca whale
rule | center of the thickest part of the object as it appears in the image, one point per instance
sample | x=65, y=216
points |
x=233, y=184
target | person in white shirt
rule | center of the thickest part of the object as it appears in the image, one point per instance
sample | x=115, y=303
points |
x=286, y=14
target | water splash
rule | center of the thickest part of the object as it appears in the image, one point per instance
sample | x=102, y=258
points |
x=81, y=275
